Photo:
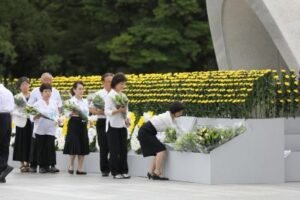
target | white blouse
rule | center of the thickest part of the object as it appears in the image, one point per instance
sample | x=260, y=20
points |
x=82, y=104
x=7, y=102
x=19, y=112
x=116, y=120
x=103, y=93
x=19, y=116
x=163, y=121
x=36, y=95
x=43, y=126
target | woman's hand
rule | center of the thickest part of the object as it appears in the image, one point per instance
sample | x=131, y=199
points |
x=96, y=111
x=38, y=116
x=122, y=109
x=127, y=122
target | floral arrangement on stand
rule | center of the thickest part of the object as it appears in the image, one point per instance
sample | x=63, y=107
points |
x=214, y=94
x=206, y=139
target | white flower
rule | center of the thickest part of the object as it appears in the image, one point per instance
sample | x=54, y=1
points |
x=93, y=118
x=92, y=133
x=147, y=117
x=60, y=143
x=134, y=142
x=12, y=140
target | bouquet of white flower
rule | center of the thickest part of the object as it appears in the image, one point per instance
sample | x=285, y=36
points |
x=170, y=136
x=30, y=110
x=19, y=101
x=72, y=107
x=98, y=102
x=121, y=100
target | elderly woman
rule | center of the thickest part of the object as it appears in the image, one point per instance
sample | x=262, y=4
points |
x=23, y=128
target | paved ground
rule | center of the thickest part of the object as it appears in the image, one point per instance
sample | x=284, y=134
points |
x=64, y=186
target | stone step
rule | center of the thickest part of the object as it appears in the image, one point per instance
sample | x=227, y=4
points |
x=292, y=167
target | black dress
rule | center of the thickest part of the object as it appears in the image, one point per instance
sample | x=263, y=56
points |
x=77, y=140
x=22, y=146
x=150, y=145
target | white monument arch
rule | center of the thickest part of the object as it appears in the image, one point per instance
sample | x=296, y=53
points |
x=255, y=34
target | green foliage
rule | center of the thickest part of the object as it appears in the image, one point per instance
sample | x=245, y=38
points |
x=92, y=37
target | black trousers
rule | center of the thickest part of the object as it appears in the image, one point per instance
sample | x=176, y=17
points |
x=117, y=142
x=33, y=154
x=5, y=134
x=103, y=144
x=45, y=148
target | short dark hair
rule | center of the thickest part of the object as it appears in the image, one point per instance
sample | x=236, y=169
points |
x=176, y=107
x=75, y=85
x=45, y=87
x=22, y=80
x=118, y=78
x=104, y=76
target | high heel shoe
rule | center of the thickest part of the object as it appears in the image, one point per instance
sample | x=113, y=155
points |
x=80, y=173
x=149, y=175
x=70, y=171
x=157, y=177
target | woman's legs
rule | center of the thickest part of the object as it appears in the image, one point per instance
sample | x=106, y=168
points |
x=152, y=166
x=72, y=160
x=80, y=163
x=159, y=162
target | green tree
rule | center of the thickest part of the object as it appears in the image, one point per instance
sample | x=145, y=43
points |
x=69, y=37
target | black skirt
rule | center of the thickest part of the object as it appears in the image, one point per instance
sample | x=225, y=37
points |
x=150, y=145
x=23, y=143
x=45, y=150
x=77, y=140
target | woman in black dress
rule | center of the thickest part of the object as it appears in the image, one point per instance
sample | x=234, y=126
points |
x=77, y=141
x=150, y=144
x=23, y=127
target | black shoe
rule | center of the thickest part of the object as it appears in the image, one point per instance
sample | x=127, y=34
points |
x=32, y=170
x=80, y=173
x=43, y=170
x=51, y=170
x=54, y=169
x=2, y=180
x=5, y=172
x=105, y=174
x=71, y=171
x=156, y=177
x=149, y=175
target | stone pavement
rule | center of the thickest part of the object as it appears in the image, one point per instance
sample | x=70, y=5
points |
x=63, y=186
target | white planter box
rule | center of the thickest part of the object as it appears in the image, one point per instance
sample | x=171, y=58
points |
x=253, y=157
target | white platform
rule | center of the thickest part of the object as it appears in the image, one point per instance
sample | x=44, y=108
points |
x=253, y=157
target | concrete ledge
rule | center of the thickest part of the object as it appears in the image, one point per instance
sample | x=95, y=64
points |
x=253, y=157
